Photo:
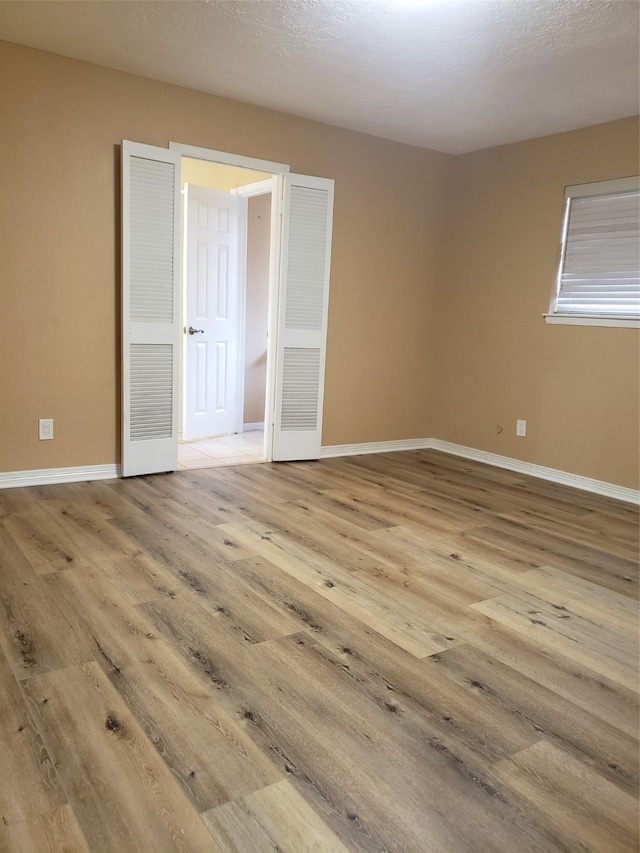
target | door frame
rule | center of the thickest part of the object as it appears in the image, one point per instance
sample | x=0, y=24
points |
x=278, y=171
x=269, y=185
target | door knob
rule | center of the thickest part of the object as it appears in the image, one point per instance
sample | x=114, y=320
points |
x=193, y=331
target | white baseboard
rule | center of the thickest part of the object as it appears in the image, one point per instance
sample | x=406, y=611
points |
x=332, y=450
x=51, y=476
x=576, y=481
x=249, y=427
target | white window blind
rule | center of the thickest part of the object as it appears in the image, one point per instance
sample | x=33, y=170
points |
x=599, y=272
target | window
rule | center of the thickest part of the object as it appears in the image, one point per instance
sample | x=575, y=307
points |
x=599, y=276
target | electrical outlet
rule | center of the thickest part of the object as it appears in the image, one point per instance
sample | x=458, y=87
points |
x=499, y=429
x=45, y=429
x=521, y=428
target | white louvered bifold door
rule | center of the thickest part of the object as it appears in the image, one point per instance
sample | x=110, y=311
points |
x=150, y=308
x=302, y=326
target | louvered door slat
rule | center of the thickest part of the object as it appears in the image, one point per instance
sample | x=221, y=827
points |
x=150, y=306
x=304, y=293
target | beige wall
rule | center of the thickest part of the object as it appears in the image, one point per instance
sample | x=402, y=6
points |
x=62, y=124
x=393, y=295
x=577, y=387
x=257, y=307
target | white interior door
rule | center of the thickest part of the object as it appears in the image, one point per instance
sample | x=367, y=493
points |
x=302, y=317
x=150, y=308
x=212, y=333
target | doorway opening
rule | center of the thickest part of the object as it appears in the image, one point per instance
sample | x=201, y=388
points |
x=152, y=331
x=227, y=267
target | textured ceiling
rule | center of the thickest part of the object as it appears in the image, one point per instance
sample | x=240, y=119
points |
x=454, y=75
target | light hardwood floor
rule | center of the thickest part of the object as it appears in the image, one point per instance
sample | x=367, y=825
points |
x=396, y=652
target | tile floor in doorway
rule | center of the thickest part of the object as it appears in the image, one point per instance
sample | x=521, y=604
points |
x=239, y=449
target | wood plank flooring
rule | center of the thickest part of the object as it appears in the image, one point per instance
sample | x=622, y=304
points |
x=401, y=652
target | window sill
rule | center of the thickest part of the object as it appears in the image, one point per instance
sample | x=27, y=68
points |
x=585, y=320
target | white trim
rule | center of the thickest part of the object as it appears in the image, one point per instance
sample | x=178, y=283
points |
x=254, y=426
x=617, y=185
x=241, y=305
x=52, y=476
x=269, y=185
x=273, y=311
x=591, y=320
x=228, y=159
x=329, y=451
x=273, y=185
x=257, y=188
x=576, y=481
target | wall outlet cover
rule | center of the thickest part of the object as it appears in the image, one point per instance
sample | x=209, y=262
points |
x=45, y=429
